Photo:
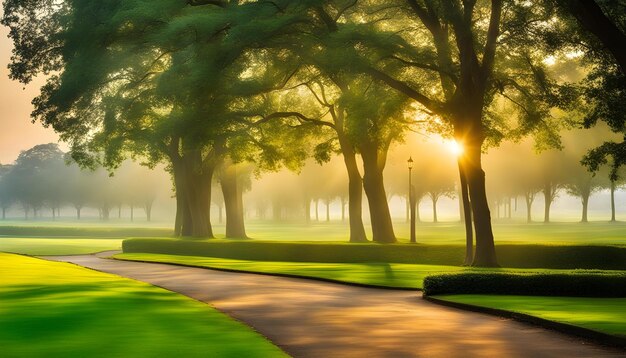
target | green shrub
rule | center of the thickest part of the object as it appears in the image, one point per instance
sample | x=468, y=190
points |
x=520, y=256
x=575, y=284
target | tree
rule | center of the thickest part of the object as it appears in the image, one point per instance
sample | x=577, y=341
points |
x=477, y=54
x=149, y=88
x=6, y=197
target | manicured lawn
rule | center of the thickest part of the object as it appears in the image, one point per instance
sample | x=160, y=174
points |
x=51, y=309
x=377, y=274
x=58, y=246
x=607, y=315
x=445, y=233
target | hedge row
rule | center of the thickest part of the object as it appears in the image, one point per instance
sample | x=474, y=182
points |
x=575, y=284
x=520, y=256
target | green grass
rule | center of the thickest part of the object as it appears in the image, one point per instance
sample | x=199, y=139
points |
x=607, y=315
x=56, y=309
x=375, y=274
x=58, y=246
x=445, y=233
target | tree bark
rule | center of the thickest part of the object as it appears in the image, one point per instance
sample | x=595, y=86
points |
x=585, y=202
x=317, y=211
x=529, y=204
x=233, y=201
x=327, y=210
x=548, y=195
x=612, y=201
x=435, y=199
x=485, y=254
x=466, y=210
x=382, y=227
x=355, y=188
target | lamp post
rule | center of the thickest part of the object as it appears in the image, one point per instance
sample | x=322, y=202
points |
x=411, y=200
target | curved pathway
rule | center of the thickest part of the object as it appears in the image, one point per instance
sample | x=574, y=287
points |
x=309, y=318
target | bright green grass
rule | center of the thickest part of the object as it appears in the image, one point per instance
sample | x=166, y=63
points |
x=57, y=246
x=52, y=309
x=376, y=274
x=607, y=315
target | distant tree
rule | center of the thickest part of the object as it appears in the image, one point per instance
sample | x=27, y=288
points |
x=29, y=180
x=6, y=197
x=582, y=184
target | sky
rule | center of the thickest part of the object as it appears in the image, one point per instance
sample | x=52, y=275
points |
x=17, y=133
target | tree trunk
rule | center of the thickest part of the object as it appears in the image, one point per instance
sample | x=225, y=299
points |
x=466, y=210
x=233, y=201
x=119, y=211
x=612, y=201
x=4, y=213
x=78, y=209
x=317, y=211
x=485, y=254
x=382, y=228
x=132, y=216
x=529, y=205
x=54, y=214
x=327, y=210
x=585, y=202
x=435, y=199
x=547, y=195
x=355, y=184
x=148, y=209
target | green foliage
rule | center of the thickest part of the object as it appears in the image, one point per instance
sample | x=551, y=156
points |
x=577, y=284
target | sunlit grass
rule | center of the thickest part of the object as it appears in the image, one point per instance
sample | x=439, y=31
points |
x=607, y=315
x=375, y=274
x=58, y=246
x=51, y=309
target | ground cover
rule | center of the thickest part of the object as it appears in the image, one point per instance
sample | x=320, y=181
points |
x=394, y=275
x=606, y=315
x=60, y=310
x=58, y=245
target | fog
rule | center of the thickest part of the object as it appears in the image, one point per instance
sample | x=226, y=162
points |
x=44, y=187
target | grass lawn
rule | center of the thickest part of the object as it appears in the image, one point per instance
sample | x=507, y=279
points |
x=607, y=315
x=58, y=246
x=444, y=233
x=52, y=309
x=376, y=274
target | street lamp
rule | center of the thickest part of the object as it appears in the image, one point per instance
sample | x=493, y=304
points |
x=411, y=200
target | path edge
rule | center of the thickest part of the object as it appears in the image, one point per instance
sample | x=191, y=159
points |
x=572, y=330
x=287, y=275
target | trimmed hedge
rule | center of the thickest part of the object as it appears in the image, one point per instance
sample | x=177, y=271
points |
x=575, y=284
x=519, y=256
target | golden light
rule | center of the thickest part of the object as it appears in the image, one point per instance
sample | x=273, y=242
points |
x=454, y=147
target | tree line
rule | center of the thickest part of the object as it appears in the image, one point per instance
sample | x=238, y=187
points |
x=199, y=85
x=44, y=178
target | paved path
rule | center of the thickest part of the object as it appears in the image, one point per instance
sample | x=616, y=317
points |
x=308, y=318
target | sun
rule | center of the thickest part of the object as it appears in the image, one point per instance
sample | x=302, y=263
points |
x=454, y=147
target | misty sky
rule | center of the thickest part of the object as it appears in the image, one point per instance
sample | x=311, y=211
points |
x=16, y=130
